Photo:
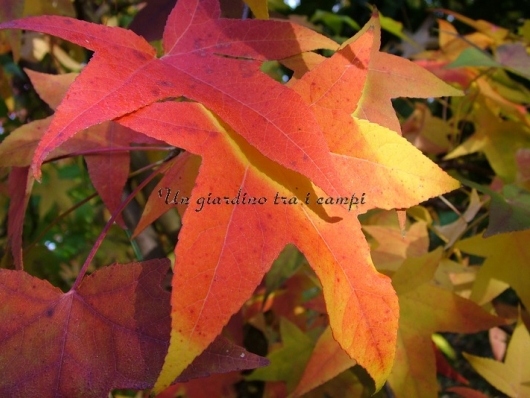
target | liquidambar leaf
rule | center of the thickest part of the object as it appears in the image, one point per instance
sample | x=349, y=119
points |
x=111, y=333
x=499, y=250
x=209, y=59
x=327, y=360
x=513, y=376
x=288, y=362
x=509, y=212
x=425, y=309
x=227, y=242
x=390, y=77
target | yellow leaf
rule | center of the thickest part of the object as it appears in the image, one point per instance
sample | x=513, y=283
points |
x=513, y=376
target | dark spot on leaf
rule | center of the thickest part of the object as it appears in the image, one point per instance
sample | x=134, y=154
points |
x=165, y=83
x=140, y=56
x=49, y=313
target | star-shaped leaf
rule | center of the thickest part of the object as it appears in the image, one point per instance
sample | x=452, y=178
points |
x=512, y=376
x=112, y=332
x=207, y=58
x=425, y=309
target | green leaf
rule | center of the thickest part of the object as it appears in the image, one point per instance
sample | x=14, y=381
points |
x=287, y=363
x=473, y=57
x=510, y=211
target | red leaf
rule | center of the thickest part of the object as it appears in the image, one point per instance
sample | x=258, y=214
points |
x=180, y=173
x=444, y=368
x=111, y=333
x=208, y=59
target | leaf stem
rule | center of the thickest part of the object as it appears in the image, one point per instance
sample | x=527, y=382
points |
x=57, y=219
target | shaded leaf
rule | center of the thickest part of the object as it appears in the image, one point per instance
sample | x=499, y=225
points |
x=149, y=22
x=288, y=362
x=110, y=333
x=393, y=246
x=466, y=392
x=173, y=189
x=509, y=211
x=76, y=344
x=425, y=309
x=498, y=139
x=499, y=250
x=259, y=8
x=513, y=376
x=327, y=360
x=473, y=56
x=444, y=368
x=453, y=231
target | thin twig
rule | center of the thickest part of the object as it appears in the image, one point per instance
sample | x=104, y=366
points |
x=103, y=233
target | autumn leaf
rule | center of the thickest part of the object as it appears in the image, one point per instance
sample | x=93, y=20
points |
x=390, y=77
x=173, y=189
x=425, y=309
x=76, y=344
x=360, y=149
x=393, y=246
x=513, y=376
x=256, y=177
x=327, y=360
x=12, y=9
x=453, y=231
x=227, y=243
x=259, y=8
x=493, y=31
x=53, y=191
x=428, y=133
x=221, y=227
x=208, y=59
x=414, y=371
x=287, y=362
x=466, y=392
x=499, y=250
x=108, y=168
x=498, y=139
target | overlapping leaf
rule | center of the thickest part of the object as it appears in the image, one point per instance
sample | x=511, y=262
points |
x=212, y=60
x=110, y=333
x=108, y=169
x=425, y=309
x=513, y=376
x=390, y=77
x=289, y=361
x=499, y=251
x=20, y=184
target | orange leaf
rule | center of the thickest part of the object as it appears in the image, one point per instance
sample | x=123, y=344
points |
x=327, y=360
x=390, y=77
